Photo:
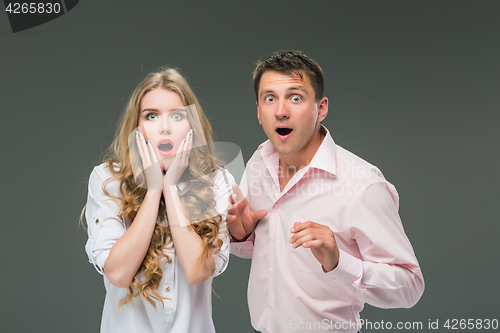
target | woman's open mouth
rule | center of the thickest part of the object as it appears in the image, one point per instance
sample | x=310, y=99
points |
x=165, y=147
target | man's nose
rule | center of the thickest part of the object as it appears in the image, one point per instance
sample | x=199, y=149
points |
x=282, y=111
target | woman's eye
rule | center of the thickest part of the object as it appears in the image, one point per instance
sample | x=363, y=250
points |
x=269, y=99
x=151, y=116
x=177, y=116
x=296, y=98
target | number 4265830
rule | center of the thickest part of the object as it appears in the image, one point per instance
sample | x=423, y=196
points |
x=464, y=324
x=33, y=8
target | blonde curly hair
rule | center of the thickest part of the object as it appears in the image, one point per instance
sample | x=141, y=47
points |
x=197, y=196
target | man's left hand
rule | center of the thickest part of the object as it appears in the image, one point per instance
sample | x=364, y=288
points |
x=320, y=239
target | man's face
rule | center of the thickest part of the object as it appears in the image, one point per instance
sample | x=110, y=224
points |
x=289, y=114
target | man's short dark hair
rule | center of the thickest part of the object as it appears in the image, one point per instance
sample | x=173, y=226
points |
x=291, y=62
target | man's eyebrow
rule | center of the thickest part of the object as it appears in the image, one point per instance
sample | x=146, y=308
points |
x=299, y=87
x=292, y=88
x=267, y=91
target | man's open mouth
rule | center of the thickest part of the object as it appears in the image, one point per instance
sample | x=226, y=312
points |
x=283, y=131
x=165, y=146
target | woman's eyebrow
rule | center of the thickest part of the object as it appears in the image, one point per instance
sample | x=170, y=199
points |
x=156, y=110
x=149, y=109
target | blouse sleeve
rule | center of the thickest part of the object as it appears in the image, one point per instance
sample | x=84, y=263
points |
x=222, y=189
x=104, y=226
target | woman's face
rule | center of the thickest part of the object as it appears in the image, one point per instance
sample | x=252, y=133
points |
x=163, y=121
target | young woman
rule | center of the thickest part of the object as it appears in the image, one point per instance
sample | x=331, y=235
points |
x=156, y=213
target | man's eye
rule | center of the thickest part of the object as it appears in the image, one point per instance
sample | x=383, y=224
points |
x=151, y=116
x=269, y=99
x=296, y=98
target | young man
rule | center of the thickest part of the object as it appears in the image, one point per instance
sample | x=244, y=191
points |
x=320, y=224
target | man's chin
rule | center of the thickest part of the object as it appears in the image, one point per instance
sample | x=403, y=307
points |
x=284, y=149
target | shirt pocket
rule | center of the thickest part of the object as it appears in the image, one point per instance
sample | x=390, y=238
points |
x=300, y=258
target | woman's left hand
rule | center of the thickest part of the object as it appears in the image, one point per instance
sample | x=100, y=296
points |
x=180, y=162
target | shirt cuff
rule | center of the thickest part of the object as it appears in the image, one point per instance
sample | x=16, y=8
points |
x=348, y=269
x=221, y=262
x=99, y=261
x=243, y=249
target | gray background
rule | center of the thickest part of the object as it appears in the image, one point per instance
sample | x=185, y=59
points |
x=413, y=89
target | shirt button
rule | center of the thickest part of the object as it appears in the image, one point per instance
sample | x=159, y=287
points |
x=270, y=304
x=167, y=289
x=97, y=221
x=276, y=206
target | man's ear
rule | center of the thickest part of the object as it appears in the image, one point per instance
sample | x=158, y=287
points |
x=258, y=115
x=322, y=109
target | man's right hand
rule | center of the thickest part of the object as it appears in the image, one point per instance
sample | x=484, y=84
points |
x=241, y=220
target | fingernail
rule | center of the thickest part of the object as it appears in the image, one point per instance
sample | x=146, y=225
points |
x=291, y=240
x=147, y=141
x=292, y=230
x=190, y=132
x=139, y=134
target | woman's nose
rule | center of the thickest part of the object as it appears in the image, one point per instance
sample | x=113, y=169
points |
x=164, y=124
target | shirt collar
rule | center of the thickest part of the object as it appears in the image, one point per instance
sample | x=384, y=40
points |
x=325, y=157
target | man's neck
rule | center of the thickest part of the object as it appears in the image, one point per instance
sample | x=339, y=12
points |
x=290, y=164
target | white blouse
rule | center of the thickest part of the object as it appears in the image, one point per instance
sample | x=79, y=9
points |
x=189, y=307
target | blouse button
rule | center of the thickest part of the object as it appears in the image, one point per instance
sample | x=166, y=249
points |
x=97, y=221
x=167, y=289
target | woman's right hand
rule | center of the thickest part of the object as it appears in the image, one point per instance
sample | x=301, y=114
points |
x=150, y=164
x=127, y=254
